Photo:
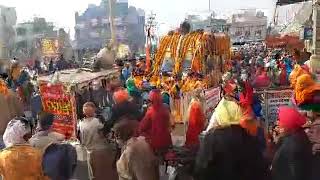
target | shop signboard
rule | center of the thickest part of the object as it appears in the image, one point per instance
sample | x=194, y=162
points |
x=212, y=99
x=275, y=99
x=307, y=33
x=49, y=46
x=57, y=101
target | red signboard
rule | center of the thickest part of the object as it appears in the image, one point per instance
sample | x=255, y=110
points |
x=57, y=101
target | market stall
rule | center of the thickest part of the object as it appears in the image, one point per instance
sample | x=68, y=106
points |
x=64, y=93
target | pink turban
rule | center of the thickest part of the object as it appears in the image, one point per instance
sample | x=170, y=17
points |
x=290, y=118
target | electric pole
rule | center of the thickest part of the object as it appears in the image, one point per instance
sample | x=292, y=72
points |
x=112, y=26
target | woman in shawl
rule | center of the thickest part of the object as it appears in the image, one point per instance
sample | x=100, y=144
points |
x=155, y=125
x=137, y=161
x=226, y=137
x=20, y=161
x=262, y=80
x=195, y=124
x=293, y=156
x=228, y=151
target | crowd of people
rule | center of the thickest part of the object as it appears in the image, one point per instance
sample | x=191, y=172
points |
x=132, y=145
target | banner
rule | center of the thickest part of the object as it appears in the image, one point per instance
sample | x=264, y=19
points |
x=57, y=101
x=275, y=99
x=212, y=99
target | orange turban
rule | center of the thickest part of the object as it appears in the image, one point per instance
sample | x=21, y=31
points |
x=297, y=71
x=120, y=96
x=305, y=88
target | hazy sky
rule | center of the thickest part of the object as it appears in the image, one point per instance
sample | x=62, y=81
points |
x=169, y=12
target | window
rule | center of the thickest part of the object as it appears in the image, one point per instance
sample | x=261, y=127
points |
x=247, y=33
x=21, y=32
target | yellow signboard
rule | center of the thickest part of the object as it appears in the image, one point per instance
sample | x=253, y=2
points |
x=49, y=46
x=123, y=51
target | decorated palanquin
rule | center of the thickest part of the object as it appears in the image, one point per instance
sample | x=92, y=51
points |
x=197, y=53
x=184, y=63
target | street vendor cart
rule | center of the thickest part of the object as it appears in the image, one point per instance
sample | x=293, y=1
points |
x=63, y=94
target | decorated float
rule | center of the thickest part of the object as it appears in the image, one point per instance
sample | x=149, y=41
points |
x=185, y=63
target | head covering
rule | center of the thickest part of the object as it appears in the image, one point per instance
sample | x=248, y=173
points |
x=297, y=71
x=305, y=88
x=155, y=97
x=15, y=132
x=120, y=96
x=228, y=113
x=166, y=98
x=262, y=80
x=131, y=88
x=290, y=118
x=229, y=88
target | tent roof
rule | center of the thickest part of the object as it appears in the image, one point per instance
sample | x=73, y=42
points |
x=78, y=76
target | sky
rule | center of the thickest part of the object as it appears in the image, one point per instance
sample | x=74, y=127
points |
x=169, y=13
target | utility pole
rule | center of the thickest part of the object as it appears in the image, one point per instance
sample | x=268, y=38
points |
x=209, y=5
x=112, y=26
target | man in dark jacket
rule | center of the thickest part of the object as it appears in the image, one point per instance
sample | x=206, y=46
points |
x=293, y=156
x=123, y=107
x=230, y=153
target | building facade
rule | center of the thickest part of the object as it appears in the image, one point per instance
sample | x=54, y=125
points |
x=249, y=26
x=32, y=34
x=8, y=19
x=93, y=30
x=28, y=35
x=210, y=23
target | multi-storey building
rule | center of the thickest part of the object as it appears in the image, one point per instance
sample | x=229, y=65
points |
x=31, y=36
x=8, y=19
x=93, y=31
x=28, y=36
x=210, y=23
x=251, y=25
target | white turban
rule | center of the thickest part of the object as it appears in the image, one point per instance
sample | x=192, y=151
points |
x=15, y=132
